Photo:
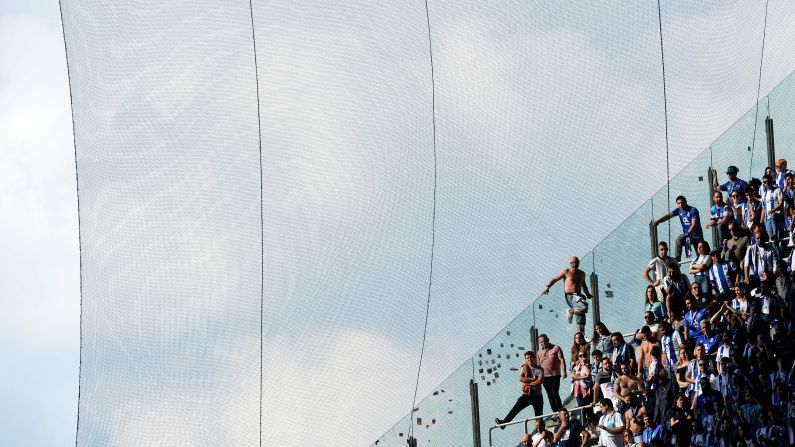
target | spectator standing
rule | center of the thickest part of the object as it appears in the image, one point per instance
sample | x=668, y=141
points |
x=676, y=286
x=611, y=425
x=699, y=267
x=751, y=212
x=579, y=345
x=737, y=244
x=722, y=274
x=691, y=225
x=733, y=184
x=720, y=215
x=773, y=204
x=658, y=266
x=653, y=304
x=582, y=385
x=760, y=259
x=601, y=339
x=550, y=358
x=681, y=420
x=781, y=172
x=531, y=377
x=622, y=352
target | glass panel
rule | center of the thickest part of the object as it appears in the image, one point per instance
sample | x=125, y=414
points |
x=496, y=370
x=619, y=260
x=783, y=114
x=444, y=414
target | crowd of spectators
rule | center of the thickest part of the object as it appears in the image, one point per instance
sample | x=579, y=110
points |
x=712, y=362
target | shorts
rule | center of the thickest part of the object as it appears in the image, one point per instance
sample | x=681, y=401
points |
x=577, y=302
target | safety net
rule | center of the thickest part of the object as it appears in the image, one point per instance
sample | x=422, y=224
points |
x=273, y=195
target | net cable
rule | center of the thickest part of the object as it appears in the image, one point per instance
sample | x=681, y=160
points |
x=433, y=229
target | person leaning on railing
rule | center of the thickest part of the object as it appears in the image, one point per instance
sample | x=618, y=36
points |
x=691, y=226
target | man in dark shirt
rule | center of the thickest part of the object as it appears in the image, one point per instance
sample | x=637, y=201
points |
x=570, y=432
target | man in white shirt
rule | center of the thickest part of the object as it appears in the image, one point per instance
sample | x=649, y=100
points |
x=659, y=267
x=611, y=425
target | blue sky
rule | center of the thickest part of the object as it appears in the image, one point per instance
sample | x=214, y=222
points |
x=533, y=104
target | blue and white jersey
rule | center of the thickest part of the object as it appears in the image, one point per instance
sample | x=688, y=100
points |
x=738, y=185
x=771, y=198
x=692, y=321
x=722, y=276
x=739, y=305
x=722, y=383
x=711, y=344
x=745, y=207
x=686, y=218
x=719, y=212
x=779, y=181
x=759, y=259
x=670, y=346
x=701, y=260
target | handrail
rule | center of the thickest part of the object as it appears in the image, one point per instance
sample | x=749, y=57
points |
x=525, y=421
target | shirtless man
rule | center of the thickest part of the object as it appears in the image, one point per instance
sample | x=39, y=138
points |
x=573, y=286
x=626, y=384
x=644, y=354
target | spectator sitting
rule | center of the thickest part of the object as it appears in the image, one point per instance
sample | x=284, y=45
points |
x=570, y=432
x=720, y=215
x=542, y=437
x=691, y=226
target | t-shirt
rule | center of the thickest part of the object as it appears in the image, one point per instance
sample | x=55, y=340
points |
x=549, y=359
x=571, y=437
x=770, y=198
x=686, y=218
x=659, y=267
x=534, y=390
x=611, y=420
x=760, y=259
x=739, y=246
x=719, y=212
x=738, y=185
x=542, y=443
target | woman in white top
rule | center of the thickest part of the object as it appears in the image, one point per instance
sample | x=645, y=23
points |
x=699, y=268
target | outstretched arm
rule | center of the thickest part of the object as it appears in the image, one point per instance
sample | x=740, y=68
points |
x=552, y=282
x=663, y=219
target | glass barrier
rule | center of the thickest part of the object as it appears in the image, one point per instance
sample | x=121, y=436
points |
x=445, y=414
x=618, y=261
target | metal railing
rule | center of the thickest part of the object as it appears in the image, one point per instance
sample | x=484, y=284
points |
x=543, y=416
